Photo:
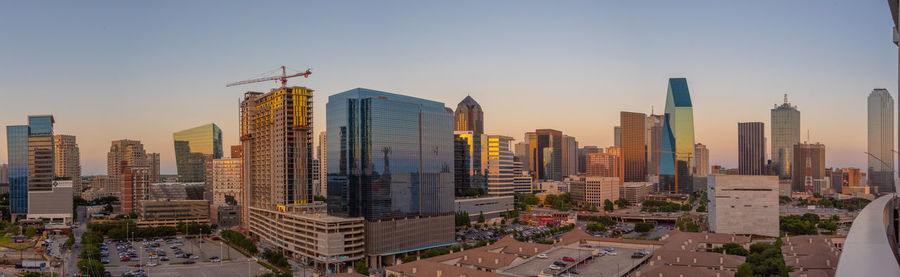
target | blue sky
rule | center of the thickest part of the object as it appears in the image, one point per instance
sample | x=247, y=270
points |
x=143, y=70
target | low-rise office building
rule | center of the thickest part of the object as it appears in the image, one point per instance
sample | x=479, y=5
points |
x=595, y=190
x=309, y=234
x=225, y=215
x=171, y=212
x=635, y=192
x=743, y=204
x=54, y=205
x=490, y=207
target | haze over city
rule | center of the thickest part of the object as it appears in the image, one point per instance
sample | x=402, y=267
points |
x=144, y=70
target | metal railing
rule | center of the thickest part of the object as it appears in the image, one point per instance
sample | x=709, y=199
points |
x=871, y=246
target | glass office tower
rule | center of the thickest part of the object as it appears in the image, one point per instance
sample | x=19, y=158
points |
x=785, y=134
x=17, y=149
x=391, y=162
x=30, y=150
x=195, y=148
x=676, y=167
x=881, y=140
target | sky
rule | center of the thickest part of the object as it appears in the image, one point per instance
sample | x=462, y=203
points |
x=110, y=70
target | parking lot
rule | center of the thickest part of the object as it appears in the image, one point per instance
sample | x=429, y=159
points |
x=600, y=265
x=167, y=258
x=537, y=265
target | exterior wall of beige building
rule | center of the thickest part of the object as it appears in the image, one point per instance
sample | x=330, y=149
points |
x=635, y=192
x=226, y=181
x=312, y=236
x=595, y=190
x=67, y=160
x=743, y=204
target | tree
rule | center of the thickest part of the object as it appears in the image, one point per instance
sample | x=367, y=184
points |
x=828, y=225
x=90, y=252
x=596, y=227
x=643, y=227
x=13, y=229
x=108, y=208
x=732, y=249
x=92, y=268
x=812, y=218
x=480, y=217
x=608, y=205
x=319, y=198
x=30, y=231
x=745, y=270
x=622, y=203
x=462, y=219
x=361, y=268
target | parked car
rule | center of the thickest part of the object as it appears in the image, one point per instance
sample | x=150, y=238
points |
x=637, y=255
x=568, y=259
x=554, y=267
x=541, y=256
x=125, y=259
x=188, y=262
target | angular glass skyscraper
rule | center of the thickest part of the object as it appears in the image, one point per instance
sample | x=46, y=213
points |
x=195, y=148
x=881, y=140
x=391, y=162
x=676, y=167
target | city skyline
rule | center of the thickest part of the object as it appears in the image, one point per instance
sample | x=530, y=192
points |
x=835, y=50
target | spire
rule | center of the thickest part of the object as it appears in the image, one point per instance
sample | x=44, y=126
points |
x=785, y=98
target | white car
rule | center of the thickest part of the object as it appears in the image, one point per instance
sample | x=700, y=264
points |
x=151, y=264
x=611, y=253
x=541, y=256
x=554, y=267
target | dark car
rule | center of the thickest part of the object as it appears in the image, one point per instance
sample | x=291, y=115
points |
x=560, y=263
x=637, y=255
x=188, y=262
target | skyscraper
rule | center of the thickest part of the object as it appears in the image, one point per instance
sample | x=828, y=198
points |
x=500, y=166
x=469, y=116
x=276, y=134
x=606, y=164
x=226, y=182
x=237, y=151
x=195, y=148
x=701, y=160
x=617, y=136
x=522, y=153
x=545, y=148
x=67, y=160
x=785, y=134
x=131, y=152
x=676, y=167
x=881, y=140
x=4, y=174
x=135, y=182
x=809, y=161
x=751, y=148
x=654, y=142
x=30, y=155
x=582, y=157
x=40, y=153
x=633, y=147
x=469, y=163
x=322, y=156
x=153, y=165
x=391, y=162
x=569, y=156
